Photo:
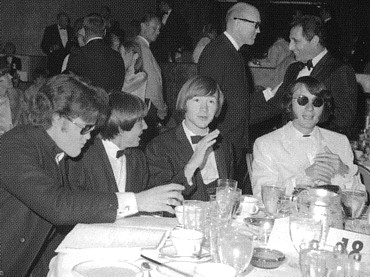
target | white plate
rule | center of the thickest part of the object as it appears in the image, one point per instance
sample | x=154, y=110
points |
x=187, y=267
x=169, y=252
x=106, y=268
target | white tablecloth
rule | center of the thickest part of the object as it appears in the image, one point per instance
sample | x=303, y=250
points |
x=126, y=240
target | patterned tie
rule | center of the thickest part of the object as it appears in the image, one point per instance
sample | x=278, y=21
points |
x=126, y=152
x=196, y=139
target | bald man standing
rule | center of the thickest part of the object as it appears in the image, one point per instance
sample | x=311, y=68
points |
x=222, y=61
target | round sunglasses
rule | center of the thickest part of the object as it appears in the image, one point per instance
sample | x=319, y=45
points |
x=87, y=128
x=303, y=101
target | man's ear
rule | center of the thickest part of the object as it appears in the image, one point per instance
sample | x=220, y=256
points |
x=315, y=40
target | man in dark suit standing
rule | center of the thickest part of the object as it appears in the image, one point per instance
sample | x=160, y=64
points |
x=174, y=33
x=307, y=41
x=222, y=61
x=96, y=61
x=56, y=43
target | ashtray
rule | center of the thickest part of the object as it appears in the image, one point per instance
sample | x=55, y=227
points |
x=260, y=224
x=267, y=258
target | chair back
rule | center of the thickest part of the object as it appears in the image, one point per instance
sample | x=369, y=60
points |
x=365, y=177
x=249, y=159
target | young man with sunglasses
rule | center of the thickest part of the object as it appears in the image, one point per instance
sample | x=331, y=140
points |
x=300, y=153
x=36, y=200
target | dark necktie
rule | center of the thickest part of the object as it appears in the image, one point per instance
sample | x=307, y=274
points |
x=120, y=153
x=196, y=139
x=309, y=64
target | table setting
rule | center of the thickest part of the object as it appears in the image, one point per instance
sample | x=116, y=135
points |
x=231, y=235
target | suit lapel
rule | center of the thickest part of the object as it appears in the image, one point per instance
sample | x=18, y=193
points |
x=186, y=151
x=221, y=162
x=102, y=154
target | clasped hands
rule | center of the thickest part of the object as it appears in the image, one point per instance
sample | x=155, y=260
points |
x=326, y=166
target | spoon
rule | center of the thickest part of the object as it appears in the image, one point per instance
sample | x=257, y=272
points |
x=145, y=266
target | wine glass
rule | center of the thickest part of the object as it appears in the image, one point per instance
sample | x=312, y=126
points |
x=303, y=228
x=235, y=248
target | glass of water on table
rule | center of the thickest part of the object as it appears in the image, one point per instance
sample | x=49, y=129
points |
x=272, y=195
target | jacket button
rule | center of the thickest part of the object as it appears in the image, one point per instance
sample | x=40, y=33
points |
x=22, y=240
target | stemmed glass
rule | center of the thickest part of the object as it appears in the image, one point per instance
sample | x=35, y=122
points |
x=304, y=228
x=235, y=248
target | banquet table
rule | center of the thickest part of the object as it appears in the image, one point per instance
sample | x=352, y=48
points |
x=127, y=239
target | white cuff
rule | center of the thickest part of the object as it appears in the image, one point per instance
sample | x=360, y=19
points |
x=126, y=204
x=268, y=94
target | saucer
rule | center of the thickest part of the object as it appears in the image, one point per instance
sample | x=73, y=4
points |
x=169, y=252
x=97, y=268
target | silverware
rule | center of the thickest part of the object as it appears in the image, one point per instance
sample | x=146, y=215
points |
x=145, y=266
x=167, y=266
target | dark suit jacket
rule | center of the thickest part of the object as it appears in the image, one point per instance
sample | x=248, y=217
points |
x=339, y=78
x=93, y=171
x=99, y=63
x=15, y=60
x=34, y=198
x=173, y=35
x=222, y=62
x=55, y=57
x=168, y=154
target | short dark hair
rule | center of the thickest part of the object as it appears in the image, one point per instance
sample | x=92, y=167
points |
x=315, y=87
x=311, y=26
x=170, y=3
x=94, y=24
x=67, y=95
x=132, y=45
x=148, y=17
x=199, y=86
x=125, y=110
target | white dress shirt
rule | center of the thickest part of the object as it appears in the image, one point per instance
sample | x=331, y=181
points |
x=127, y=204
x=208, y=168
x=63, y=36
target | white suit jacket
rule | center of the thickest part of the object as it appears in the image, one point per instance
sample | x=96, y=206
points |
x=154, y=84
x=283, y=155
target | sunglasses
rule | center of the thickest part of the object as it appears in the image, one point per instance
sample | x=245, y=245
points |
x=303, y=101
x=256, y=26
x=84, y=129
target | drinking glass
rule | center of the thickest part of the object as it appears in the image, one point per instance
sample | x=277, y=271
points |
x=227, y=183
x=303, y=228
x=354, y=202
x=235, y=248
x=271, y=195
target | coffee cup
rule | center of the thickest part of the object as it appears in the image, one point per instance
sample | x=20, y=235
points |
x=248, y=206
x=186, y=241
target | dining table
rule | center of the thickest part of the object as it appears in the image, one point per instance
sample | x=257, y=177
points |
x=128, y=239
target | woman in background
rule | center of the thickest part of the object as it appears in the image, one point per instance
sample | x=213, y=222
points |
x=209, y=33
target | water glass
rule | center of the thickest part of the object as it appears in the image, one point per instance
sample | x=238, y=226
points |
x=303, y=228
x=271, y=196
x=314, y=262
x=195, y=213
x=235, y=248
x=227, y=183
x=354, y=202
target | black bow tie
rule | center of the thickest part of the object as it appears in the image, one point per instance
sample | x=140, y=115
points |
x=196, y=139
x=309, y=64
x=120, y=153
x=306, y=136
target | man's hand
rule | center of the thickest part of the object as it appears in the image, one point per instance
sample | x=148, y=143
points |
x=160, y=198
x=200, y=152
x=326, y=166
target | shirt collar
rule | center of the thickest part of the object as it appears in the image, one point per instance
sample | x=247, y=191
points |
x=144, y=39
x=294, y=133
x=110, y=148
x=59, y=157
x=319, y=57
x=94, y=38
x=187, y=131
x=232, y=40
